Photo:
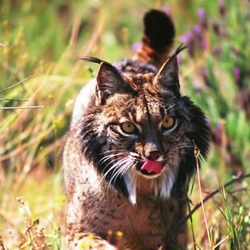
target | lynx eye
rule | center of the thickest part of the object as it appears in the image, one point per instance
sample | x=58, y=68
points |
x=128, y=127
x=168, y=123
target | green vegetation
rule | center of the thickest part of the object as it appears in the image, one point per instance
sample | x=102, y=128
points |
x=40, y=75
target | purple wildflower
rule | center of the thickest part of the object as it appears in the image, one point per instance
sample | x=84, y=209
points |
x=203, y=43
x=202, y=17
x=243, y=99
x=166, y=8
x=223, y=29
x=237, y=76
x=197, y=29
x=222, y=9
x=217, y=50
x=136, y=46
x=204, y=74
x=215, y=26
x=219, y=133
x=189, y=39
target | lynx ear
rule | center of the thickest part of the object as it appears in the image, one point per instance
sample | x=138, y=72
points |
x=168, y=76
x=109, y=82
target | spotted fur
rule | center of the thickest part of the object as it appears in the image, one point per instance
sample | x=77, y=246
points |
x=107, y=189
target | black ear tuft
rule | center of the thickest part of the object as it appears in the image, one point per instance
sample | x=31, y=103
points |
x=168, y=75
x=179, y=49
x=92, y=59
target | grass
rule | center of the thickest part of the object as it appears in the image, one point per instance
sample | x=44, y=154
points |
x=40, y=75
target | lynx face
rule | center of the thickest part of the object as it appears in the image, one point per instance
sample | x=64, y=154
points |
x=143, y=138
x=139, y=125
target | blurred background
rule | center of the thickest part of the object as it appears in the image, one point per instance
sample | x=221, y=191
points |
x=40, y=75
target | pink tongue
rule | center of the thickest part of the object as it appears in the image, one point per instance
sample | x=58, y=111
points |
x=152, y=167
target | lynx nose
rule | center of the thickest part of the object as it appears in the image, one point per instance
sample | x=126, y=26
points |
x=153, y=155
x=152, y=149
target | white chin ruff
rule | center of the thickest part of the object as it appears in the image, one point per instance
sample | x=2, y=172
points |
x=161, y=186
x=131, y=181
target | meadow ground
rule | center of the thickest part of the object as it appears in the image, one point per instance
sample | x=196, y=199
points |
x=40, y=75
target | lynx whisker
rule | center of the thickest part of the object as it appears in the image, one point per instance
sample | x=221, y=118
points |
x=122, y=167
x=182, y=147
x=171, y=107
x=108, y=157
x=112, y=151
x=171, y=103
x=134, y=156
x=118, y=166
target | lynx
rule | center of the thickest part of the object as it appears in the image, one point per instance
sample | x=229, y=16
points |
x=129, y=154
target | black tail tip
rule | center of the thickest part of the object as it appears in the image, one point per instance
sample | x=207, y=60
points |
x=159, y=29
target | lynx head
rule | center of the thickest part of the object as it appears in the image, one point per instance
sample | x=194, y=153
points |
x=138, y=125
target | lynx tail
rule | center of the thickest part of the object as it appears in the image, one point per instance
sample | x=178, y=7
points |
x=158, y=38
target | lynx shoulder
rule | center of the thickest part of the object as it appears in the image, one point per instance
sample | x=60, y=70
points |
x=129, y=154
